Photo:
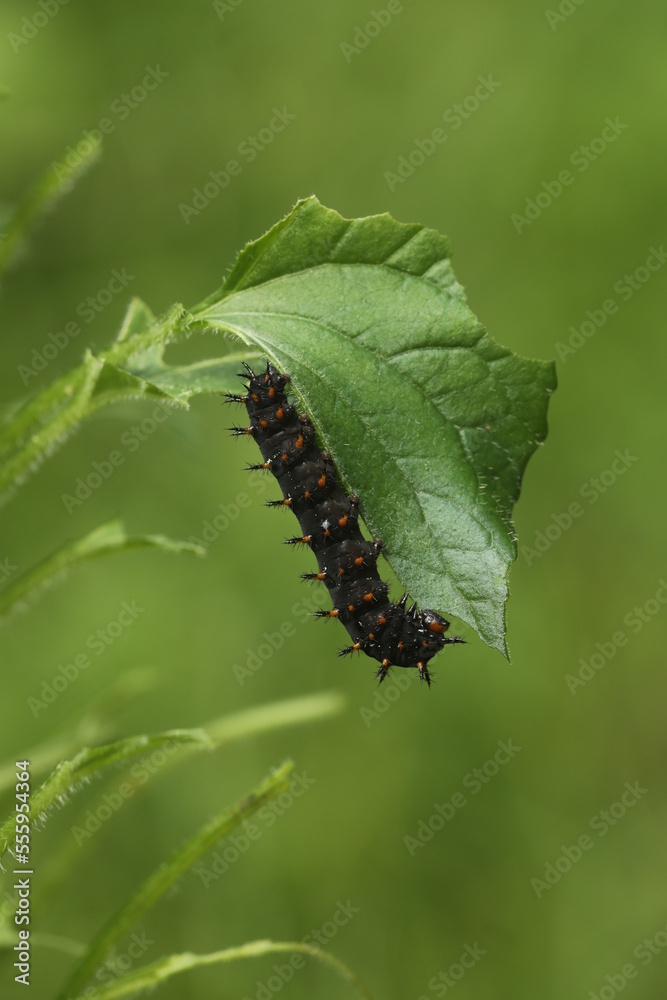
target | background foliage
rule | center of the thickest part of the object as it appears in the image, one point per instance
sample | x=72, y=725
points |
x=375, y=778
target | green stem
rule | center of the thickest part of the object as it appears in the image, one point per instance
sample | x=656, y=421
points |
x=163, y=969
x=168, y=873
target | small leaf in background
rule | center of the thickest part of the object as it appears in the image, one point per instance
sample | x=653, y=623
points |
x=217, y=734
x=428, y=419
x=107, y=539
x=69, y=775
x=131, y=369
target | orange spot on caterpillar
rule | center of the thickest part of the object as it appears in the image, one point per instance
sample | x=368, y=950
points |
x=368, y=597
x=359, y=561
x=255, y=397
x=437, y=627
x=321, y=482
x=299, y=441
x=304, y=540
x=263, y=424
x=280, y=413
x=342, y=521
x=272, y=391
x=350, y=608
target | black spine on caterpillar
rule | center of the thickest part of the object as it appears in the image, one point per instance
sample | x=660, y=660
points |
x=329, y=521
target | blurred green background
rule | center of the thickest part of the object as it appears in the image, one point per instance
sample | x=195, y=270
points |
x=557, y=78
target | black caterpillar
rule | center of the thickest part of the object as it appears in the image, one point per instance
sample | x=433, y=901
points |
x=329, y=521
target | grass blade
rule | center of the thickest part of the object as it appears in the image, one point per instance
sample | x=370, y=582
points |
x=169, y=872
x=69, y=775
x=106, y=539
x=152, y=975
x=227, y=729
x=274, y=715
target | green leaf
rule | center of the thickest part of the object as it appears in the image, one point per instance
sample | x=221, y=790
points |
x=142, y=357
x=70, y=775
x=428, y=419
x=40, y=197
x=169, y=872
x=106, y=539
x=152, y=975
x=132, y=369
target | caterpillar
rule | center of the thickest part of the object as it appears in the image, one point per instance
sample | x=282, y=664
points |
x=392, y=634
